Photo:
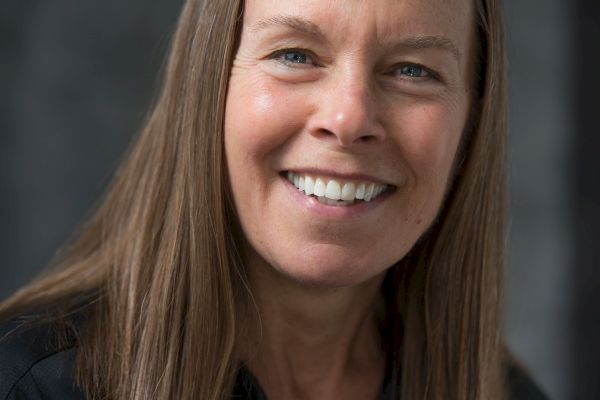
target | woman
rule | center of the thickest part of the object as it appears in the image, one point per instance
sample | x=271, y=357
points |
x=315, y=209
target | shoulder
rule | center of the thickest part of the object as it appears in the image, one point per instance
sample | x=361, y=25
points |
x=521, y=386
x=33, y=365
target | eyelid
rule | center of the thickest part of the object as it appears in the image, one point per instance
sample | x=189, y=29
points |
x=432, y=76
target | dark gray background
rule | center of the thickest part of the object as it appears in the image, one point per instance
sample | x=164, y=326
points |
x=77, y=76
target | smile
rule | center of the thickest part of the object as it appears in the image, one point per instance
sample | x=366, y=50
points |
x=336, y=192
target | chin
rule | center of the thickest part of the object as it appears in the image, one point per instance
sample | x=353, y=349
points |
x=322, y=265
x=328, y=272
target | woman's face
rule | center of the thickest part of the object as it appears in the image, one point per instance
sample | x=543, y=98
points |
x=343, y=119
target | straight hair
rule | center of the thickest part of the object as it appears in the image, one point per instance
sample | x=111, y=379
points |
x=157, y=269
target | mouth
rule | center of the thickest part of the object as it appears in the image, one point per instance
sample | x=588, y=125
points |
x=335, y=191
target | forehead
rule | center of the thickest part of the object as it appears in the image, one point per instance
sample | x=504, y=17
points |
x=374, y=21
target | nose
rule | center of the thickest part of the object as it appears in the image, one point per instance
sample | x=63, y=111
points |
x=346, y=112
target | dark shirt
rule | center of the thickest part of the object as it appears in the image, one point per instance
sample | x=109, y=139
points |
x=32, y=368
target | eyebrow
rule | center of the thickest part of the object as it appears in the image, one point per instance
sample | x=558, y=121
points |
x=311, y=29
x=289, y=21
x=427, y=42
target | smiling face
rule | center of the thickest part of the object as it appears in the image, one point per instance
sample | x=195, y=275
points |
x=342, y=122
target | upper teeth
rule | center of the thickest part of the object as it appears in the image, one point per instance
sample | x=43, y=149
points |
x=334, y=189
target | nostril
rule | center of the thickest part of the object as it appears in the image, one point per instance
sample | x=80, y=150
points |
x=367, y=138
x=348, y=127
x=347, y=141
x=324, y=133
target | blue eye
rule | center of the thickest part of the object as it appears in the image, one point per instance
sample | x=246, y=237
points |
x=292, y=57
x=295, y=57
x=414, y=71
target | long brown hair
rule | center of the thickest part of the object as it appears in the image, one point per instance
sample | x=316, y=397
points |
x=158, y=271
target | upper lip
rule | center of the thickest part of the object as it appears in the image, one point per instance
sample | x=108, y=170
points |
x=351, y=176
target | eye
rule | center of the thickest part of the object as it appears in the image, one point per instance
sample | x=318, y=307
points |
x=414, y=71
x=293, y=57
x=414, y=78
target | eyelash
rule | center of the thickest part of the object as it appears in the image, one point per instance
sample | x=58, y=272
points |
x=427, y=73
x=275, y=55
x=413, y=67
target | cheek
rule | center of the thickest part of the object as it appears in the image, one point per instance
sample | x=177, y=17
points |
x=259, y=118
x=429, y=138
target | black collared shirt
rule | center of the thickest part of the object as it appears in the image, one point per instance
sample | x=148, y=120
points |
x=31, y=368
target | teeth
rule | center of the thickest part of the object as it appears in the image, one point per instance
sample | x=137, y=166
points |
x=336, y=203
x=333, y=192
x=348, y=191
x=309, y=185
x=319, y=187
x=360, y=191
x=369, y=191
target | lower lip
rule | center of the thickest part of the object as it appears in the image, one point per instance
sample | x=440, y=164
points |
x=316, y=208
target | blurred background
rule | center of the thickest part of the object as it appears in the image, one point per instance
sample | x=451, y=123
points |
x=77, y=77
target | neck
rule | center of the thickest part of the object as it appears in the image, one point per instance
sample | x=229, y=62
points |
x=313, y=341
